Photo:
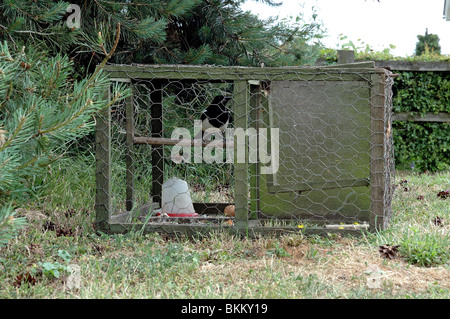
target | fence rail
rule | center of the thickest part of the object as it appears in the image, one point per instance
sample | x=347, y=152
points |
x=441, y=117
x=348, y=57
x=414, y=66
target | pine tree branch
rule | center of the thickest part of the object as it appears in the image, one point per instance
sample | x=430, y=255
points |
x=134, y=4
x=14, y=134
x=86, y=86
x=36, y=32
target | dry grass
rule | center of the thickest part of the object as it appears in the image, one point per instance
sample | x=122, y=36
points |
x=223, y=266
x=345, y=266
x=352, y=266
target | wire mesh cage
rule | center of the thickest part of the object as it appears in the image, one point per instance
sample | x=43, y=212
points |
x=249, y=150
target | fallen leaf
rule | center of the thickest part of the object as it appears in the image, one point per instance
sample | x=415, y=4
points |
x=24, y=278
x=443, y=194
x=438, y=221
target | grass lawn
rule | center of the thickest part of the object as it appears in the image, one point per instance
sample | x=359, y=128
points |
x=59, y=256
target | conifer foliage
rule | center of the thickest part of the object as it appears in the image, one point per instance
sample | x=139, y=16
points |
x=51, y=84
x=160, y=31
x=42, y=110
x=428, y=43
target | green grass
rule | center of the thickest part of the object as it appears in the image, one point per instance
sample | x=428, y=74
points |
x=416, y=206
x=221, y=265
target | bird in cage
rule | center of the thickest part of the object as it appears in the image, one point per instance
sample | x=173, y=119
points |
x=216, y=115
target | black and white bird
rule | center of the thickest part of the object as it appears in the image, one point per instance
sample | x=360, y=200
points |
x=216, y=115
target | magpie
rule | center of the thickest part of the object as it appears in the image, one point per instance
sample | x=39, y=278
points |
x=216, y=115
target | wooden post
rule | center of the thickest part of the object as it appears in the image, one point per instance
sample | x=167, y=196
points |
x=103, y=168
x=255, y=102
x=346, y=56
x=241, y=187
x=377, y=152
x=129, y=116
x=156, y=97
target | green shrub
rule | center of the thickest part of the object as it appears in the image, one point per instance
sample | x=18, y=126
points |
x=422, y=145
x=422, y=92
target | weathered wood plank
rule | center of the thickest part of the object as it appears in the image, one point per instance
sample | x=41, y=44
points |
x=129, y=156
x=443, y=66
x=352, y=226
x=377, y=153
x=315, y=219
x=441, y=117
x=299, y=187
x=252, y=232
x=129, y=217
x=346, y=56
x=241, y=188
x=103, y=204
x=355, y=65
x=255, y=109
x=156, y=113
x=414, y=65
x=170, y=72
x=139, y=212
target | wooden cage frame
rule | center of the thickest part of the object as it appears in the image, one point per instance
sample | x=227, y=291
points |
x=245, y=81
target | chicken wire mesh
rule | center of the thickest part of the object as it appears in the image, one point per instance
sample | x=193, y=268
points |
x=196, y=149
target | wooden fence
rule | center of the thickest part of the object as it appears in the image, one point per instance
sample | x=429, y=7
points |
x=348, y=56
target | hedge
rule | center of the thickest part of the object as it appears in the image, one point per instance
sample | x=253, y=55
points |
x=422, y=146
